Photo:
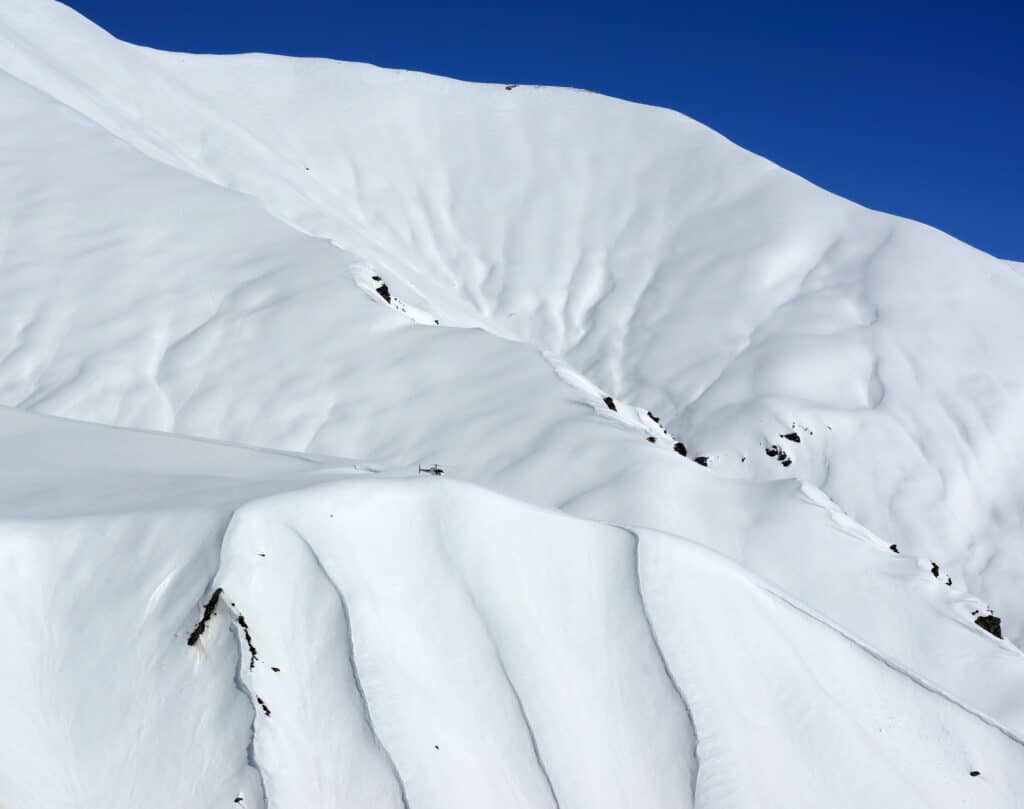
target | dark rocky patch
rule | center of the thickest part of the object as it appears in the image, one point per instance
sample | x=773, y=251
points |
x=991, y=624
x=263, y=705
x=792, y=437
x=894, y=549
x=701, y=459
x=511, y=86
x=651, y=439
x=384, y=292
x=377, y=278
x=949, y=581
x=680, y=447
x=935, y=570
x=253, y=657
x=787, y=462
x=610, y=402
x=653, y=418
x=974, y=773
x=208, y=612
x=772, y=451
x=275, y=669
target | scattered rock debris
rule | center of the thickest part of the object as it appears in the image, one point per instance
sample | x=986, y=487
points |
x=208, y=611
x=263, y=705
x=949, y=581
x=253, y=657
x=653, y=418
x=435, y=470
x=610, y=402
x=275, y=669
x=991, y=624
x=935, y=570
x=893, y=548
x=377, y=278
x=974, y=773
x=792, y=437
x=651, y=439
x=511, y=86
x=701, y=459
x=680, y=447
x=779, y=454
x=239, y=799
x=384, y=292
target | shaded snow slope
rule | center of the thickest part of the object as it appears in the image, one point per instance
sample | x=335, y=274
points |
x=662, y=263
x=387, y=641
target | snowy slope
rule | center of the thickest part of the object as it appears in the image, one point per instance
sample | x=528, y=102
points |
x=665, y=265
x=383, y=640
x=329, y=261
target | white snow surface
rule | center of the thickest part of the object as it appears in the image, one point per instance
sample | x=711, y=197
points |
x=245, y=298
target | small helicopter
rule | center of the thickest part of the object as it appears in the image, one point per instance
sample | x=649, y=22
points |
x=432, y=470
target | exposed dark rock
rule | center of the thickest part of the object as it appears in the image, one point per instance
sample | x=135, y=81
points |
x=974, y=773
x=377, y=278
x=651, y=439
x=935, y=570
x=275, y=668
x=511, y=86
x=792, y=437
x=701, y=459
x=680, y=447
x=894, y=549
x=990, y=624
x=208, y=611
x=384, y=292
x=263, y=705
x=949, y=581
x=253, y=657
x=653, y=418
x=772, y=451
x=787, y=462
x=608, y=400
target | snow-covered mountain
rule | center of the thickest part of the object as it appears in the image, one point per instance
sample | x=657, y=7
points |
x=321, y=276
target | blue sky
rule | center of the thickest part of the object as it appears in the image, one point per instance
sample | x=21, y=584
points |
x=916, y=109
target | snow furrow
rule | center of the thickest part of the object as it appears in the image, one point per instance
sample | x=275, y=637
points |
x=354, y=666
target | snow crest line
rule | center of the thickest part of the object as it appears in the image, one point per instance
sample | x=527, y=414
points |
x=541, y=766
x=695, y=754
x=351, y=652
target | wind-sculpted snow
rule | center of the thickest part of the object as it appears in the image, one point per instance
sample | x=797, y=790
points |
x=379, y=640
x=663, y=264
x=571, y=305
